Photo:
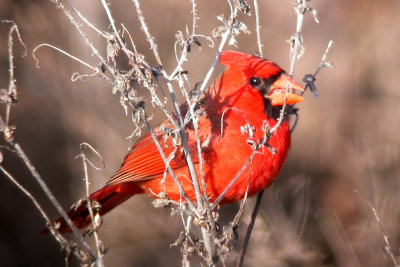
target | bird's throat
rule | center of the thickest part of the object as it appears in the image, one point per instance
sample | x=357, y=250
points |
x=274, y=112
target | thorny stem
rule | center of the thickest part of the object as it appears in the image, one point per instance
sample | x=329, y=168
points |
x=297, y=39
x=9, y=138
x=12, y=88
x=55, y=233
x=196, y=127
x=20, y=152
x=83, y=34
x=171, y=172
x=208, y=236
x=199, y=150
x=296, y=44
x=95, y=223
x=258, y=28
x=194, y=16
x=208, y=243
x=174, y=100
x=145, y=29
x=84, y=19
x=110, y=18
x=260, y=195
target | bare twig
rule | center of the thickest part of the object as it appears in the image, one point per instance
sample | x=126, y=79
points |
x=84, y=19
x=202, y=88
x=387, y=248
x=12, y=88
x=61, y=51
x=83, y=34
x=296, y=51
x=232, y=182
x=325, y=63
x=55, y=233
x=95, y=219
x=145, y=29
x=97, y=71
x=309, y=79
x=20, y=152
x=250, y=229
x=258, y=28
x=9, y=138
x=296, y=40
x=171, y=172
x=209, y=244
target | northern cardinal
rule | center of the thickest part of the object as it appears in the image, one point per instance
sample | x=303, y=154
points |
x=251, y=92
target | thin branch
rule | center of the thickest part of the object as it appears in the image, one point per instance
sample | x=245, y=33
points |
x=296, y=40
x=183, y=56
x=20, y=152
x=83, y=35
x=182, y=132
x=199, y=150
x=63, y=52
x=233, y=181
x=309, y=79
x=12, y=88
x=130, y=37
x=75, y=76
x=194, y=16
x=110, y=18
x=387, y=248
x=224, y=38
x=56, y=234
x=86, y=20
x=9, y=138
x=250, y=229
x=325, y=63
x=258, y=27
x=171, y=172
x=145, y=29
x=95, y=219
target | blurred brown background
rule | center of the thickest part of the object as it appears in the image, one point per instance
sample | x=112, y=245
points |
x=346, y=139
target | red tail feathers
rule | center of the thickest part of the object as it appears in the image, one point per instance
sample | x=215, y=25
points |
x=109, y=197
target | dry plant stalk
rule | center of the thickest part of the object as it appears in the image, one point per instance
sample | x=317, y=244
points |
x=10, y=98
x=213, y=246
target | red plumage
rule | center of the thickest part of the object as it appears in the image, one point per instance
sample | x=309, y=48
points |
x=235, y=99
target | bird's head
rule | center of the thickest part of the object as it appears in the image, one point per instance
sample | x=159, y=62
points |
x=261, y=75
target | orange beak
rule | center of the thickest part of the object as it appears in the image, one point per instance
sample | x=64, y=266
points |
x=285, y=90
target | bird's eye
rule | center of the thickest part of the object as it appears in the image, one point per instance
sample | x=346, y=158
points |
x=256, y=82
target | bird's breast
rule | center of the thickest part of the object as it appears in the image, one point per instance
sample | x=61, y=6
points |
x=230, y=151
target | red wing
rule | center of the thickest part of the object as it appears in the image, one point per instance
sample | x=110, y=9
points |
x=145, y=162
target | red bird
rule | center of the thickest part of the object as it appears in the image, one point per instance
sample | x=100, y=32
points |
x=251, y=91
